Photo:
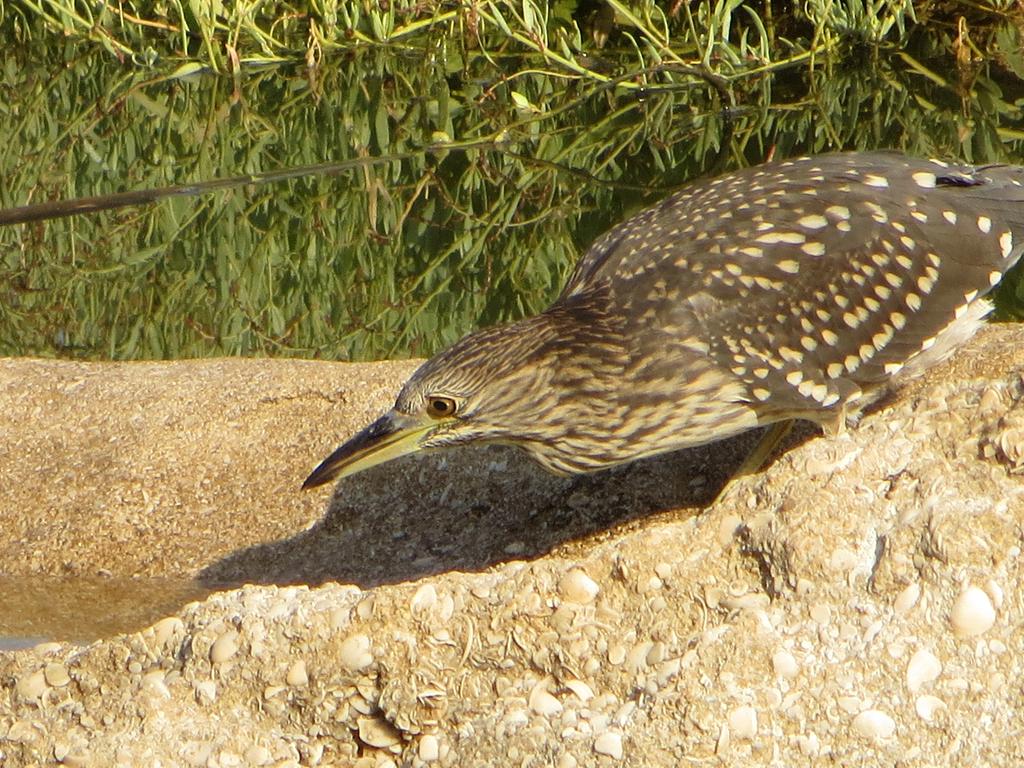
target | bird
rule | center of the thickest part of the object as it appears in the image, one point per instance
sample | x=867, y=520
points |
x=800, y=289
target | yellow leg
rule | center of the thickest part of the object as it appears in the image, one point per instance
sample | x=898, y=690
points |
x=769, y=441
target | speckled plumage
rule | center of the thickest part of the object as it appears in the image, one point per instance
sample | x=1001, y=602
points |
x=791, y=290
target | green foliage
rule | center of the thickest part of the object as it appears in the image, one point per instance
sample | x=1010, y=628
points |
x=502, y=140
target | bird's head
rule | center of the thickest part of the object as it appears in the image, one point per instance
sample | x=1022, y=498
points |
x=507, y=384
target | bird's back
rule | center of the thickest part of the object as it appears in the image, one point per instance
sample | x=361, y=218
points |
x=809, y=283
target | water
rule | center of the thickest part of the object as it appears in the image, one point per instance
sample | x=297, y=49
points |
x=402, y=256
x=79, y=609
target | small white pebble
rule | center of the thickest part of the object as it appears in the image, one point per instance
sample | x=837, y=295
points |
x=625, y=713
x=56, y=675
x=668, y=669
x=206, y=691
x=724, y=740
x=429, y=748
x=354, y=653
x=257, y=755
x=928, y=707
x=923, y=667
x=874, y=724
x=636, y=659
x=297, y=675
x=224, y=647
x=617, y=654
x=543, y=703
x=850, y=704
x=872, y=631
x=727, y=529
x=907, y=599
x=32, y=686
x=743, y=722
x=424, y=599
x=165, y=629
x=994, y=591
x=820, y=613
x=609, y=743
x=577, y=587
x=810, y=745
x=153, y=684
x=972, y=613
x=785, y=665
x=582, y=691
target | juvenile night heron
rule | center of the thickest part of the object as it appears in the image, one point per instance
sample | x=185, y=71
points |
x=794, y=290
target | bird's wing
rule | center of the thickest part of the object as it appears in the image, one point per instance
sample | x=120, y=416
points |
x=810, y=301
x=695, y=226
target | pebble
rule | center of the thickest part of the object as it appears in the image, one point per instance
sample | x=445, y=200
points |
x=354, y=653
x=995, y=592
x=907, y=599
x=928, y=707
x=820, y=613
x=429, y=748
x=667, y=670
x=21, y=730
x=785, y=665
x=424, y=599
x=375, y=732
x=224, y=647
x=61, y=749
x=850, y=704
x=727, y=530
x=206, y=691
x=56, y=674
x=582, y=691
x=617, y=654
x=577, y=587
x=32, y=686
x=972, y=613
x=297, y=675
x=609, y=743
x=167, y=628
x=743, y=722
x=625, y=713
x=873, y=629
x=922, y=668
x=752, y=601
x=154, y=685
x=810, y=744
x=258, y=755
x=543, y=703
x=874, y=724
x=636, y=658
x=724, y=740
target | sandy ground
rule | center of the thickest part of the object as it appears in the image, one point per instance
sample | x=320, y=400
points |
x=857, y=603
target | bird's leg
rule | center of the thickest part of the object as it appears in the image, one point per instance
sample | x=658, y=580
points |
x=769, y=441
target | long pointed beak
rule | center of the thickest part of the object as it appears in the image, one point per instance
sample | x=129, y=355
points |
x=390, y=436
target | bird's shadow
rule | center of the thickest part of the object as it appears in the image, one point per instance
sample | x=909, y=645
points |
x=466, y=509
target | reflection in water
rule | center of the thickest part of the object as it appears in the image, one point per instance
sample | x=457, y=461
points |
x=35, y=609
x=406, y=254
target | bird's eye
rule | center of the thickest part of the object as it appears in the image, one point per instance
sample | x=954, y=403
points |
x=440, y=407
